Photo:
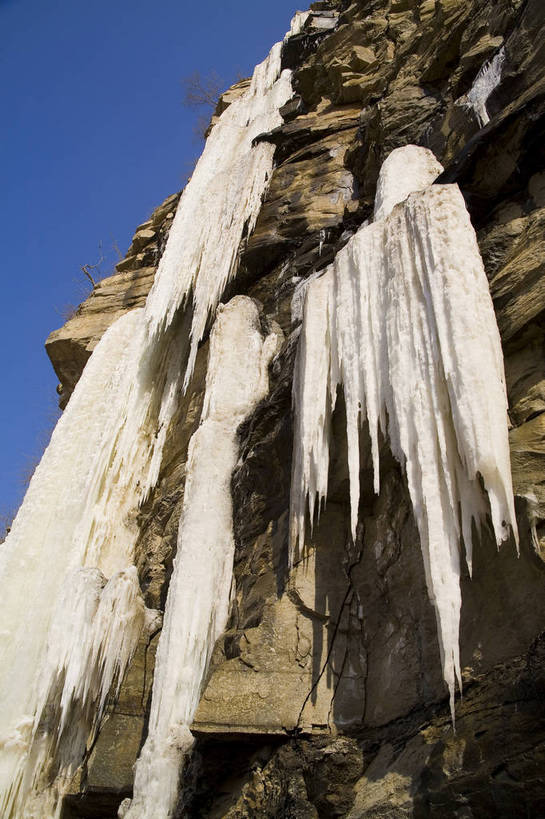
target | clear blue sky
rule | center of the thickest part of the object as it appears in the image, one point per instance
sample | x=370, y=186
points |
x=93, y=137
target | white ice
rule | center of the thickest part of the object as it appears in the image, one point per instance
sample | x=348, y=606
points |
x=298, y=23
x=226, y=191
x=403, y=320
x=77, y=522
x=488, y=78
x=404, y=171
x=199, y=591
x=76, y=529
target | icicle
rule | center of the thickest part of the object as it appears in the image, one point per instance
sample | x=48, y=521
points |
x=488, y=78
x=312, y=379
x=78, y=514
x=77, y=525
x=404, y=320
x=298, y=297
x=226, y=190
x=198, y=597
x=322, y=240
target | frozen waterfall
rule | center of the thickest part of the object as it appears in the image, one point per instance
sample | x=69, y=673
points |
x=403, y=320
x=67, y=568
x=198, y=596
x=75, y=529
x=226, y=190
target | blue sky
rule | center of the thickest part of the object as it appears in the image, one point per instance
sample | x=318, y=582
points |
x=93, y=136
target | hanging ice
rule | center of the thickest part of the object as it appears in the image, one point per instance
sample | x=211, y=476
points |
x=226, y=192
x=403, y=319
x=298, y=22
x=198, y=596
x=75, y=529
x=71, y=547
x=488, y=78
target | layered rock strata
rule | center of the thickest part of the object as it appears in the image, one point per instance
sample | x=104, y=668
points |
x=70, y=347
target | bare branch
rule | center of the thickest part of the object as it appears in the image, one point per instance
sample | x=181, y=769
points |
x=86, y=268
x=200, y=91
x=117, y=250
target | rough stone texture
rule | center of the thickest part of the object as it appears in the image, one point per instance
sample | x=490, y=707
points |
x=325, y=696
x=226, y=99
x=106, y=777
x=70, y=347
x=416, y=766
x=312, y=191
x=159, y=516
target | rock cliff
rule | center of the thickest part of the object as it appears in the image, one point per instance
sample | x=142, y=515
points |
x=325, y=696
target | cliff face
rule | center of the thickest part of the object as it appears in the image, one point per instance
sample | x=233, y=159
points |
x=70, y=347
x=325, y=696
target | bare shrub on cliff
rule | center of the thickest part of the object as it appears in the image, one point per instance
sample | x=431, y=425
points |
x=201, y=93
x=201, y=90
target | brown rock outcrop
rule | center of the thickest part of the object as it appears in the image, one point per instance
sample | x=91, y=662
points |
x=69, y=347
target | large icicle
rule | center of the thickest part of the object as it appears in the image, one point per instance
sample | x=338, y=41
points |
x=198, y=597
x=404, y=320
x=77, y=523
x=314, y=399
x=226, y=192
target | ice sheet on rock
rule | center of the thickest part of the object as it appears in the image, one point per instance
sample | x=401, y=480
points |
x=226, y=190
x=298, y=23
x=78, y=513
x=91, y=641
x=198, y=597
x=488, y=78
x=77, y=525
x=403, y=319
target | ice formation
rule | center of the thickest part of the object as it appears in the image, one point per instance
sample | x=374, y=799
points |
x=488, y=78
x=403, y=320
x=74, y=530
x=415, y=307
x=198, y=596
x=404, y=171
x=298, y=22
x=71, y=548
x=226, y=190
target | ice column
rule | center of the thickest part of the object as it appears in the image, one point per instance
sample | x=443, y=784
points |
x=69, y=558
x=403, y=319
x=74, y=534
x=198, y=597
x=226, y=191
